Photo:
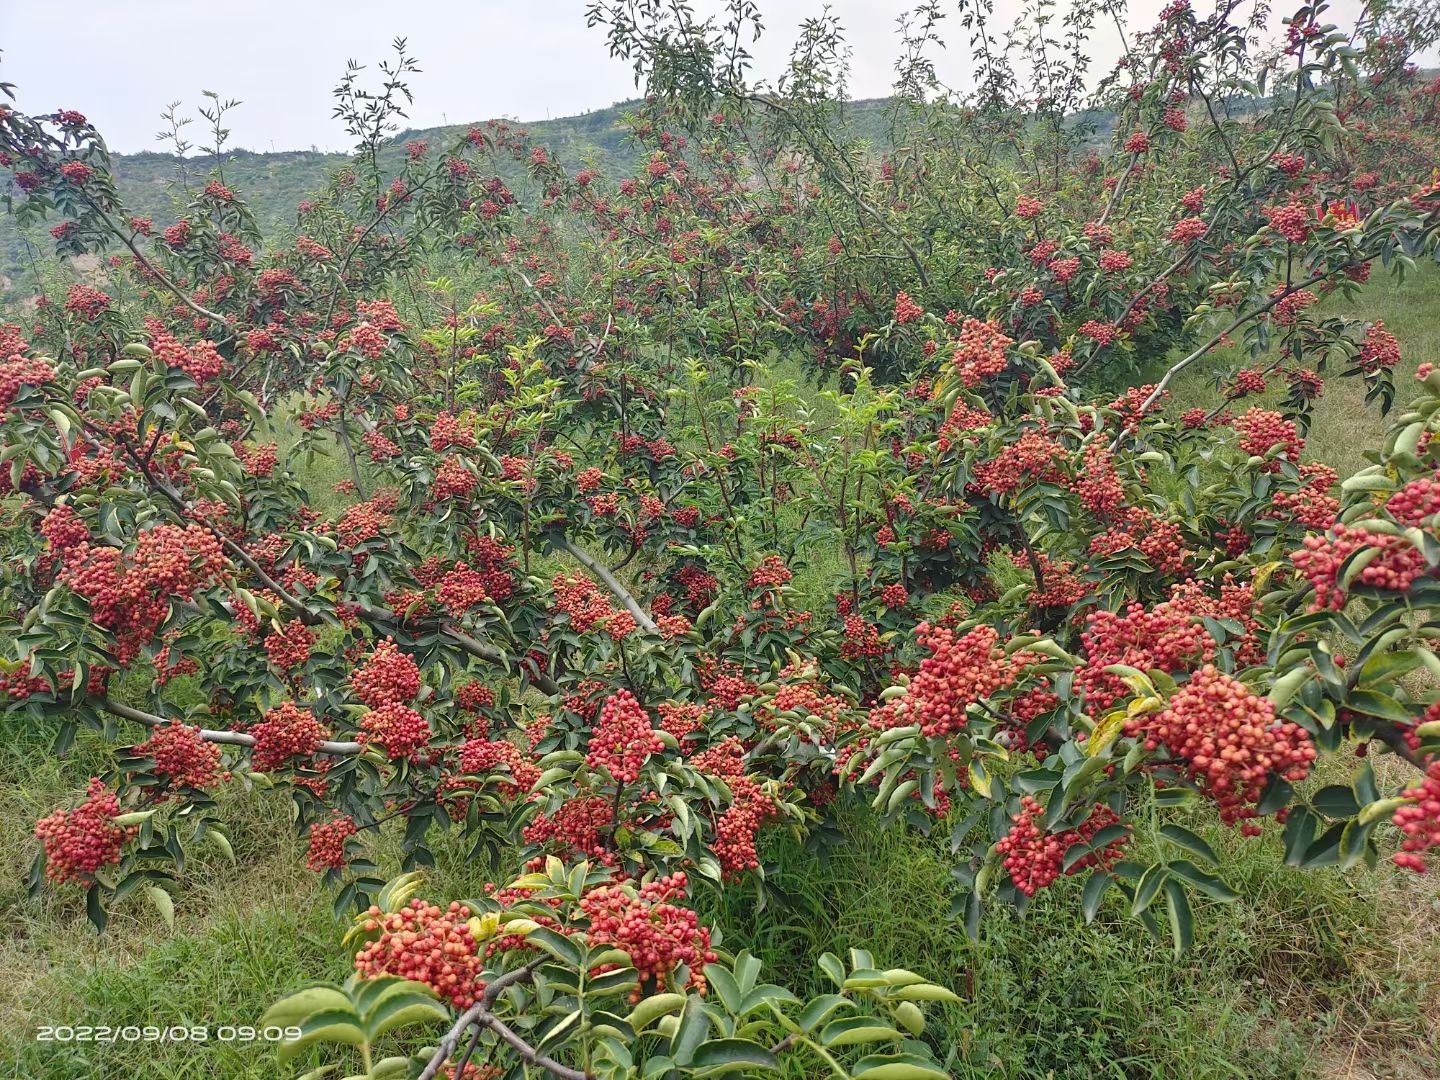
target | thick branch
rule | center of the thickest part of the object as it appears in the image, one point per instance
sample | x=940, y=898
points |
x=600, y=570
x=229, y=738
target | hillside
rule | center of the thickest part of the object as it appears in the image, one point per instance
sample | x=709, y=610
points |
x=274, y=183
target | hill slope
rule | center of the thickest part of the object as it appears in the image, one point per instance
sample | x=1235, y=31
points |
x=274, y=183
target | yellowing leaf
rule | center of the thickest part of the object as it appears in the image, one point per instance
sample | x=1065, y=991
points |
x=1106, y=732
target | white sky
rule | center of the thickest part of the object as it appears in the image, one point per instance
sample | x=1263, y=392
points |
x=122, y=61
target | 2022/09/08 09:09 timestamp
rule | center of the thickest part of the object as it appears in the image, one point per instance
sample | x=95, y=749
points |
x=198, y=1033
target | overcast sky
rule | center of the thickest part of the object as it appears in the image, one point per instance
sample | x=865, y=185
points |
x=121, y=61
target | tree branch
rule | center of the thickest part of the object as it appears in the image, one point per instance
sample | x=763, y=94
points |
x=1181, y=365
x=600, y=570
x=228, y=738
x=479, y=1015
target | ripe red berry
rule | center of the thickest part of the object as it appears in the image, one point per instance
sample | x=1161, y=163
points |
x=81, y=841
x=387, y=676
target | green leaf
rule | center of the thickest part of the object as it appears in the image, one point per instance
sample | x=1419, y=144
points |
x=652, y=1008
x=163, y=904
x=562, y=1030
x=1199, y=880
x=1299, y=832
x=1186, y=839
x=901, y=977
x=895, y=1067
x=723, y=1055
x=390, y=1068
x=1388, y=666
x=294, y=1008
x=1148, y=887
x=1287, y=686
x=830, y=964
x=221, y=841
x=822, y=1008
x=690, y=1032
x=1095, y=889
x=400, y=1009
x=1182, y=921
x=95, y=906
x=908, y=1014
x=1336, y=801
x=1106, y=836
x=327, y=1025
x=1174, y=796
x=1277, y=794
x=924, y=992
x=723, y=983
x=1374, y=703
x=851, y=1030
x=611, y=981
x=1354, y=842
x=557, y=945
x=767, y=994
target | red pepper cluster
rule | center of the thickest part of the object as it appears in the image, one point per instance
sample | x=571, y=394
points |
x=430, y=946
x=388, y=676
x=1188, y=230
x=1167, y=637
x=1027, y=206
x=959, y=672
x=327, y=844
x=1114, y=260
x=64, y=529
x=285, y=732
x=1380, y=350
x=682, y=719
x=87, y=300
x=1320, y=559
x=1292, y=221
x=461, y=589
x=182, y=755
x=1031, y=459
x=906, y=310
x=771, y=573
x=980, y=350
x=130, y=593
x=579, y=826
x=79, y=842
x=1419, y=821
x=478, y=757
x=582, y=600
x=1261, y=430
x=453, y=480
x=1102, y=333
x=1412, y=504
x=1230, y=740
x=289, y=647
x=658, y=934
x=398, y=729
x=1033, y=858
x=622, y=738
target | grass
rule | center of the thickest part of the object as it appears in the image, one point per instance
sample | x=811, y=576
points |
x=1309, y=974
x=1267, y=991
x=1344, y=426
